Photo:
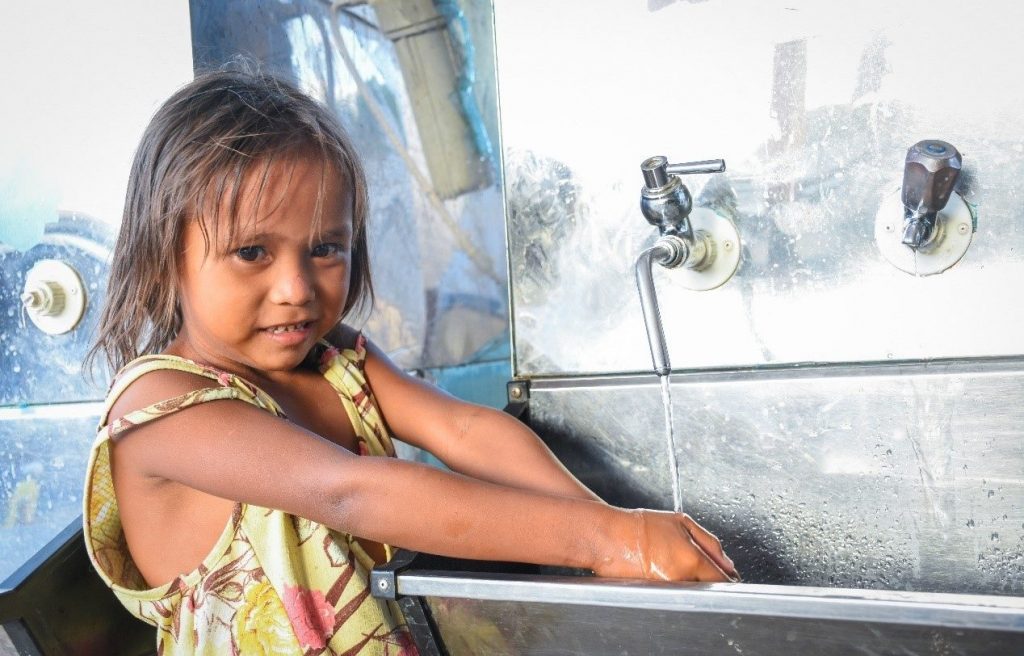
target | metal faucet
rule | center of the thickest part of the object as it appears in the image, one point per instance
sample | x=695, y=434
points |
x=931, y=172
x=666, y=203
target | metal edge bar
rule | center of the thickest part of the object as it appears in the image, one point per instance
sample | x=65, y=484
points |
x=973, y=367
x=73, y=410
x=421, y=626
x=875, y=606
x=501, y=185
x=19, y=638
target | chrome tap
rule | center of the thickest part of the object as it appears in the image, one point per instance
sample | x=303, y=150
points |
x=665, y=200
x=931, y=172
x=666, y=203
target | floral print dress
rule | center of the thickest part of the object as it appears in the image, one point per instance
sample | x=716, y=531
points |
x=274, y=583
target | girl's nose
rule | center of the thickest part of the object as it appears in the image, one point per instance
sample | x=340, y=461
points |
x=293, y=285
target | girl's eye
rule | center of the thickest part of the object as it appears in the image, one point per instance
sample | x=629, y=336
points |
x=328, y=250
x=250, y=253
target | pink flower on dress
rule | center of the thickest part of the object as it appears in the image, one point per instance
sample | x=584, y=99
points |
x=310, y=614
x=328, y=356
x=224, y=378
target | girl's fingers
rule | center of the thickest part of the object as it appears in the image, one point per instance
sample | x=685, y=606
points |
x=707, y=571
x=710, y=545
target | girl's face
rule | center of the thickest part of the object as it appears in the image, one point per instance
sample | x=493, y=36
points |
x=260, y=302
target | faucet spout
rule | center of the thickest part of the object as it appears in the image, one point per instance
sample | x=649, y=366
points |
x=668, y=251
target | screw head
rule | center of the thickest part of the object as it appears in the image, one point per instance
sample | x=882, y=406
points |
x=727, y=245
x=516, y=392
x=888, y=227
x=963, y=228
x=382, y=584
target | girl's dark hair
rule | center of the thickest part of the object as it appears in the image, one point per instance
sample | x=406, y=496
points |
x=190, y=164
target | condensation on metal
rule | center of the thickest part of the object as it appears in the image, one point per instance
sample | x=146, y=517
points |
x=511, y=627
x=813, y=106
x=901, y=480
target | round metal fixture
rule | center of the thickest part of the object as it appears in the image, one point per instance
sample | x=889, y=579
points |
x=53, y=297
x=954, y=230
x=723, y=258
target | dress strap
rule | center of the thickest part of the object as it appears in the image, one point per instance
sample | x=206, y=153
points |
x=229, y=386
x=162, y=408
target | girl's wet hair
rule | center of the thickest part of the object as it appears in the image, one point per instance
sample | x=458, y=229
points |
x=190, y=164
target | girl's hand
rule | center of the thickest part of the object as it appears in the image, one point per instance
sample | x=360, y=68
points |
x=667, y=546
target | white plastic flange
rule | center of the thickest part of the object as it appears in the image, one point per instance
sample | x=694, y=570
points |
x=725, y=255
x=54, y=297
x=954, y=231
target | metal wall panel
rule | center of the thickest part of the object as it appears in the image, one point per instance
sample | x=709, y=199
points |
x=813, y=106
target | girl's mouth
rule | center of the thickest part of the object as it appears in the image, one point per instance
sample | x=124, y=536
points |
x=290, y=328
x=289, y=335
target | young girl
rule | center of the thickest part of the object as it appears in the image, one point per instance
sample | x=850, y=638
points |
x=226, y=499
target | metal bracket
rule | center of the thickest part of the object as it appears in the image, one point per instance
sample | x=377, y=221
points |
x=384, y=585
x=518, y=391
x=518, y=398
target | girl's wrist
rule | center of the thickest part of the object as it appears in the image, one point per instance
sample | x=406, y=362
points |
x=618, y=551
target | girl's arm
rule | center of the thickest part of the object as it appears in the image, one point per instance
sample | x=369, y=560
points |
x=473, y=440
x=236, y=451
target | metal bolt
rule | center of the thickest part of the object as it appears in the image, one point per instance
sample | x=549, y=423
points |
x=516, y=392
x=382, y=584
x=963, y=228
x=32, y=300
x=727, y=245
x=888, y=227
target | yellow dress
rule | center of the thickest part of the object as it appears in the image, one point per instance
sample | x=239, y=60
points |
x=274, y=583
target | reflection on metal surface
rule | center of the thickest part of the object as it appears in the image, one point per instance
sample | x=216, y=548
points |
x=436, y=304
x=813, y=105
x=428, y=64
x=499, y=628
x=906, y=477
x=41, y=480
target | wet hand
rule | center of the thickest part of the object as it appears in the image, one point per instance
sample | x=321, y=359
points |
x=667, y=546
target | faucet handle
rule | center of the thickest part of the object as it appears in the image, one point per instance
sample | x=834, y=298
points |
x=931, y=171
x=665, y=201
x=657, y=170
